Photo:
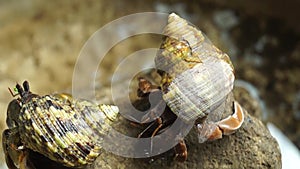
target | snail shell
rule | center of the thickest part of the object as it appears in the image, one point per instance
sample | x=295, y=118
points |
x=196, y=76
x=66, y=130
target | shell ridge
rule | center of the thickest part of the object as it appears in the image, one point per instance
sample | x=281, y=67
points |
x=61, y=138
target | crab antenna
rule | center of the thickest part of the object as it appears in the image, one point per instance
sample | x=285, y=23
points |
x=26, y=86
x=12, y=93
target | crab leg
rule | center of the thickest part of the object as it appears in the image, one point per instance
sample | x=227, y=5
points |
x=146, y=87
x=181, y=151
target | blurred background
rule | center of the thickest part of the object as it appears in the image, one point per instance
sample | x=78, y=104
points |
x=40, y=42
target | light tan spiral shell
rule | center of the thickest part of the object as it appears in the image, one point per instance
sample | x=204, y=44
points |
x=197, y=76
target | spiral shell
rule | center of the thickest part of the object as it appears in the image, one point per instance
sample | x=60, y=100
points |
x=64, y=129
x=196, y=76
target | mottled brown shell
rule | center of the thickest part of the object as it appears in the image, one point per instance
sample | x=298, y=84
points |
x=66, y=130
x=196, y=76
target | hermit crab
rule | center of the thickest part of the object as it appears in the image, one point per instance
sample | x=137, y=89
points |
x=196, y=82
x=66, y=130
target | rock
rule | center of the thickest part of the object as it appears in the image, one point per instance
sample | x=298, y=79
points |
x=252, y=146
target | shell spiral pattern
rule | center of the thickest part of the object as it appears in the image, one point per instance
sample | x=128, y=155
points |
x=196, y=76
x=65, y=130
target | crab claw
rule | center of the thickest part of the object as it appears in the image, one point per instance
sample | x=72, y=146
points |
x=212, y=131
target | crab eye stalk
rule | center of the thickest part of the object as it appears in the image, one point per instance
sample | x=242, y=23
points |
x=26, y=86
x=19, y=90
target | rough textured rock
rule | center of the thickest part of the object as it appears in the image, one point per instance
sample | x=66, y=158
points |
x=252, y=146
